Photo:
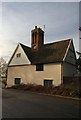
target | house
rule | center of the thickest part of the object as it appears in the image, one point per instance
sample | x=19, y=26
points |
x=41, y=64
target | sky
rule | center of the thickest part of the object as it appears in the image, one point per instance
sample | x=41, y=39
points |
x=80, y=26
x=61, y=20
x=40, y=0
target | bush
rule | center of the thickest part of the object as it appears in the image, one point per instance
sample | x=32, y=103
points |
x=64, y=90
x=4, y=82
x=28, y=86
x=39, y=88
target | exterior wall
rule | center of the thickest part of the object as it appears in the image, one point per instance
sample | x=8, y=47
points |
x=69, y=69
x=28, y=74
x=71, y=58
x=19, y=60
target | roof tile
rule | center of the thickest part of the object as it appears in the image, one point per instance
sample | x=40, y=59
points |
x=48, y=53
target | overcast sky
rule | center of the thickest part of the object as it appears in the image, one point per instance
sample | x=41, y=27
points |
x=61, y=20
x=80, y=25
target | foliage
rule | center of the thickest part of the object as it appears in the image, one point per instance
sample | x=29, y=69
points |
x=30, y=87
x=4, y=82
x=80, y=28
x=72, y=89
x=78, y=62
x=3, y=67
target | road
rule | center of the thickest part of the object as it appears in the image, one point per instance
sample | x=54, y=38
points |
x=0, y=100
x=23, y=104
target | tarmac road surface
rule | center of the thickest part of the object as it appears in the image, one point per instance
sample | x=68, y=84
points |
x=23, y=104
x=0, y=100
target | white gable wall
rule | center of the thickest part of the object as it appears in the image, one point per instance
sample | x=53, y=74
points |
x=28, y=74
x=19, y=60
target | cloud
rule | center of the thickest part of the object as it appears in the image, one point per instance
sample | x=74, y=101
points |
x=80, y=25
x=19, y=18
x=40, y=0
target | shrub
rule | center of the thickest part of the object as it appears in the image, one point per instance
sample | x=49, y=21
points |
x=39, y=88
x=4, y=82
x=28, y=86
x=64, y=90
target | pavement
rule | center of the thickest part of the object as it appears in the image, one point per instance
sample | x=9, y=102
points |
x=66, y=97
x=23, y=104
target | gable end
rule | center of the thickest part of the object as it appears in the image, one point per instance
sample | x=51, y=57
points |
x=19, y=57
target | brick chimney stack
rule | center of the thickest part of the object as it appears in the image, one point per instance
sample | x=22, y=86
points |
x=37, y=38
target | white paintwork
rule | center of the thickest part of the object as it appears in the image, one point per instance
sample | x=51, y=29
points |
x=28, y=74
x=67, y=51
x=70, y=57
x=19, y=60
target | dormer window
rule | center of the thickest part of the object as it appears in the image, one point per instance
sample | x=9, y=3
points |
x=18, y=55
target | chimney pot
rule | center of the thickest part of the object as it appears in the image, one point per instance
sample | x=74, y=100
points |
x=35, y=27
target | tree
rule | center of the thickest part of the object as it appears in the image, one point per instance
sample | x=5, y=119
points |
x=78, y=62
x=3, y=71
x=80, y=28
x=3, y=68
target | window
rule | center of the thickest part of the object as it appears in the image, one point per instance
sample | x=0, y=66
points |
x=17, y=81
x=39, y=67
x=18, y=55
x=48, y=83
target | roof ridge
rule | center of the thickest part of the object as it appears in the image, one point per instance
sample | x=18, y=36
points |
x=48, y=43
x=57, y=42
x=24, y=45
x=48, y=53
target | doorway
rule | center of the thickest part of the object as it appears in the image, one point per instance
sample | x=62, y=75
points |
x=48, y=83
x=17, y=81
